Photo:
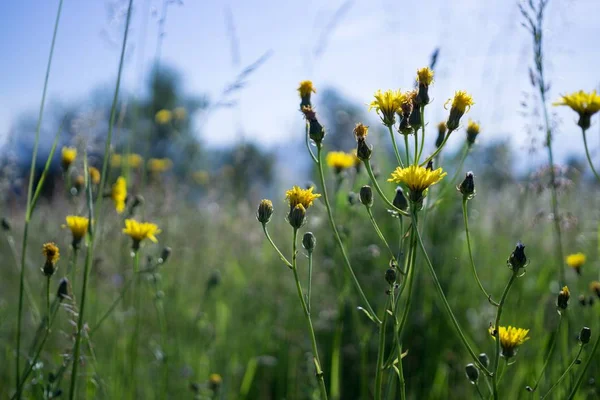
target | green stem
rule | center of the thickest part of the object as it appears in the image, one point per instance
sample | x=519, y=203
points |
x=585, y=368
x=29, y=199
x=48, y=302
x=339, y=239
x=479, y=392
x=512, y=279
x=395, y=146
x=549, y=355
x=307, y=141
x=136, y=329
x=422, y=135
x=402, y=381
x=379, y=233
x=319, y=371
x=406, y=149
x=416, y=157
x=466, y=221
x=380, y=192
x=587, y=154
x=283, y=258
x=381, y=351
x=73, y=268
x=310, y=270
x=112, y=306
x=564, y=375
x=437, y=151
x=445, y=303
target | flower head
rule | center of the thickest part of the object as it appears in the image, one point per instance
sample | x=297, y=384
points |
x=595, y=287
x=159, y=165
x=119, y=194
x=425, y=76
x=562, y=301
x=296, y=196
x=214, y=382
x=461, y=104
x=163, y=117
x=417, y=178
x=361, y=131
x=94, y=175
x=387, y=104
x=305, y=89
x=139, y=231
x=265, y=211
x=584, y=104
x=473, y=129
x=52, y=254
x=339, y=160
x=68, y=155
x=510, y=339
x=576, y=261
x=78, y=226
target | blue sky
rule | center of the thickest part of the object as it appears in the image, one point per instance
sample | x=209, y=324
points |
x=376, y=44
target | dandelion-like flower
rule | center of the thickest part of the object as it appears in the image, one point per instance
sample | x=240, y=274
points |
x=409, y=105
x=163, y=117
x=576, y=261
x=68, y=156
x=116, y=160
x=562, y=301
x=305, y=89
x=473, y=130
x=583, y=103
x=134, y=160
x=52, y=254
x=159, y=165
x=510, y=339
x=265, y=211
x=119, y=194
x=424, y=79
x=387, y=104
x=461, y=104
x=139, y=231
x=214, y=382
x=417, y=178
x=94, y=175
x=339, y=160
x=78, y=226
x=296, y=196
x=361, y=131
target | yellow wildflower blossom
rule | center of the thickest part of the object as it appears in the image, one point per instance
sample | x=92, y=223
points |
x=78, y=226
x=510, y=339
x=425, y=76
x=116, y=160
x=119, y=194
x=139, y=231
x=94, y=175
x=576, y=261
x=159, y=165
x=583, y=103
x=339, y=160
x=417, y=178
x=163, y=117
x=134, y=160
x=296, y=196
x=387, y=104
x=306, y=88
x=461, y=104
x=361, y=131
x=68, y=156
x=52, y=254
x=473, y=130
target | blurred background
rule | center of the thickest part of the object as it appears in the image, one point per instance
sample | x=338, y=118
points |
x=227, y=73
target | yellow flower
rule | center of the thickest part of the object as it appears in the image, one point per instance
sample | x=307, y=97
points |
x=78, y=226
x=425, y=76
x=306, y=88
x=510, y=339
x=52, y=254
x=584, y=104
x=297, y=196
x=134, y=160
x=94, y=175
x=595, y=287
x=139, y=231
x=69, y=154
x=163, y=117
x=116, y=160
x=361, y=131
x=473, y=129
x=576, y=261
x=214, y=382
x=417, y=178
x=340, y=160
x=119, y=194
x=387, y=104
x=201, y=177
x=159, y=165
x=461, y=103
x=180, y=113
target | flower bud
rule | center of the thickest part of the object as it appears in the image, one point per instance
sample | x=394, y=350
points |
x=265, y=211
x=415, y=116
x=315, y=129
x=473, y=129
x=484, y=359
x=164, y=255
x=467, y=187
x=400, y=201
x=309, y=241
x=5, y=224
x=297, y=216
x=595, y=287
x=441, y=134
x=517, y=259
x=562, y=300
x=363, y=151
x=63, y=289
x=472, y=373
x=390, y=276
x=585, y=335
x=429, y=166
x=366, y=196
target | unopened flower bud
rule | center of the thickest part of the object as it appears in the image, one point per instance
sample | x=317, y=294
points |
x=472, y=373
x=517, y=259
x=265, y=211
x=390, y=276
x=63, y=289
x=467, y=187
x=164, y=255
x=309, y=241
x=366, y=195
x=297, y=216
x=595, y=287
x=429, y=166
x=400, y=201
x=441, y=134
x=473, y=129
x=361, y=131
x=363, y=151
x=5, y=224
x=484, y=359
x=585, y=335
x=562, y=300
x=415, y=116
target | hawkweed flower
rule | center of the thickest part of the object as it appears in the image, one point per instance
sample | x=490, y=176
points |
x=584, y=104
x=79, y=183
x=52, y=254
x=460, y=104
x=163, y=117
x=299, y=200
x=180, y=113
x=119, y=194
x=116, y=160
x=339, y=161
x=305, y=90
x=576, y=261
x=214, y=382
x=407, y=108
x=441, y=134
x=94, y=175
x=360, y=131
x=363, y=150
x=297, y=216
x=562, y=300
x=484, y=359
x=135, y=160
x=68, y=156
x=78, y=226
x=510, y=339
x=159, y=165
x=424, y=79
x=467, y=186
x=139, y=231
x=63, y=289
x=387, y=104
x=315, y=130
x=265, y=211
x=417, y=179
x=517, y=259
x=595, y=287
x=473, y=129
